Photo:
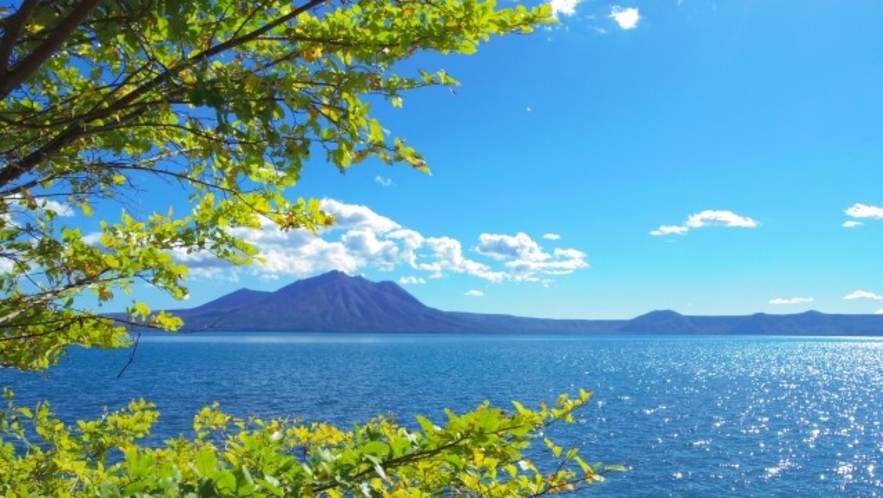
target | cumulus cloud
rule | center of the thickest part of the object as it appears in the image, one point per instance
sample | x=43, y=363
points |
x=859, y=210
x=351, y=216
x=474, y=293
x=520, y=246
x=879, y=312
x=411, y=280
x=860, y=294
x=669, y=230
x=310, y=258
x=711, y=218
x=526, y=260
x=216, y=274
x=386, y=182
x=7, y=264
x=91, y=238
x=626, y=18
x=792, y=300
x=707, y=218
x=564, y=7
x=446, y=255
x=383, y=253
x=852, y=224
x=363, y=239
x=15, y=210
x=59, y=208
x=551, y=236
x=358, y=240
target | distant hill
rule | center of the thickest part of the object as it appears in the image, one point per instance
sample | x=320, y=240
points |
x=336, y=302
x=333, y=302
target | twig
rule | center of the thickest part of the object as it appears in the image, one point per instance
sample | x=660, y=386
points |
x=131, y=355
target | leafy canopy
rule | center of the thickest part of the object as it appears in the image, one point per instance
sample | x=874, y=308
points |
x=216, y=105
x=217, y=102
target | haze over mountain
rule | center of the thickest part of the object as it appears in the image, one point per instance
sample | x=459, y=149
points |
x=336, y=302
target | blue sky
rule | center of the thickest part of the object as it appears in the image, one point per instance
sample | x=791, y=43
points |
x=706, y=157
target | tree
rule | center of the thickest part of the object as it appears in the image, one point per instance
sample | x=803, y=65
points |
x=223, y=100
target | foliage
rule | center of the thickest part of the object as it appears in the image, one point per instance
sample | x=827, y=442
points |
x=214, y=104
x=217, y=105
x=480, y=453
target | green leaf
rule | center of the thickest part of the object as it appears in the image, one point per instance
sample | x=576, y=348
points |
x=213, y=107
x=375, y=448
x=206, y=462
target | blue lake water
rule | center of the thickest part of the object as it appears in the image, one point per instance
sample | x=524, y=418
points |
x=689, y=416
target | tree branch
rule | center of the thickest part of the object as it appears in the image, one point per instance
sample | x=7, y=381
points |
x=131, y=355
x=15, y=24
x=77, y=129
x=24, y=69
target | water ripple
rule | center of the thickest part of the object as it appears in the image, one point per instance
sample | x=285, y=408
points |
x=693, y=416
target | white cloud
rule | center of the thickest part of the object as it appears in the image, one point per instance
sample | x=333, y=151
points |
x=409, y=238
x=519, y=246
x=711, y=218
x=92, y=238
x=879, y=312
x=564, y=7
x=707, y=218
x=16, y=207
x=364, y=239
x=7, y=265
x=200, y=259
x=410, y=241
x=59, y=208
x=792, y=300
x=859, y=210
x=566, y=262
x=366, y=245
x=626, y=18
x=669, y=230
x=350, y=216
x=447, y=255
x=216, y=274
x=852, y=224
x=300, y=254
x=411, y=281
x=860, y=294
x=526, y=259
x=386, y=182
x=315, y=256
x=552, y=236
x=474, y=293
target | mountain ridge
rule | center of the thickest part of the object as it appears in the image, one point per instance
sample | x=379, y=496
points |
x=337, y=302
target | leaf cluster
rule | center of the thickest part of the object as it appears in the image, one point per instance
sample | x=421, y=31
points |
x=216, y=105
x=478, y=453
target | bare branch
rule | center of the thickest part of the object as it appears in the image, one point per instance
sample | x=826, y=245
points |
x=131, y=355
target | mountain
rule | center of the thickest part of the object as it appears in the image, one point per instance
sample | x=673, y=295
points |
x=336, y=302
x=235, y=299
x=333, y=302
x=660, y=322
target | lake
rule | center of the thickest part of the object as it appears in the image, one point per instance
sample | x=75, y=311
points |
x=689, y=416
